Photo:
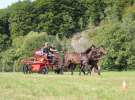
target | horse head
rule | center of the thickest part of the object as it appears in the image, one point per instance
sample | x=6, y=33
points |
x=102, y=51
x=96, y=53
x=89, y=49
x=99, y=52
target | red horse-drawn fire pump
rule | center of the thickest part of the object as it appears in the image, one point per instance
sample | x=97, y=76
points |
x=41, y=63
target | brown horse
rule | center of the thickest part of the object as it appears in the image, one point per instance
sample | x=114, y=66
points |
x=73, y=59
x=93, y=58
x=88, y=58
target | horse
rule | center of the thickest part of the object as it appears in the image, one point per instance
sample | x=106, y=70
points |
x=89, y=58
x=73, y=59
x=93, y=58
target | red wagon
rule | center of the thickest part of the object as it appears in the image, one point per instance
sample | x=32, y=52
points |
x=40, y=63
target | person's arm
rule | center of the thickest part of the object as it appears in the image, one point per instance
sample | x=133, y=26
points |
x=53, y=50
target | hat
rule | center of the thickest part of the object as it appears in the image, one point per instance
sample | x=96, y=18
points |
x=46, y=44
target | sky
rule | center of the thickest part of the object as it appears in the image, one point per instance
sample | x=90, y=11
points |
x=6, y=3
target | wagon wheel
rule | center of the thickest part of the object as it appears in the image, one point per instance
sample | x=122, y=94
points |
x=45, y=70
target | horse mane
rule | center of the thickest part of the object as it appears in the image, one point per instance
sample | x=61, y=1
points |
x=87, y=51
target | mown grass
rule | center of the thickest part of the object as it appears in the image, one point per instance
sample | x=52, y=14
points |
x=17, y=86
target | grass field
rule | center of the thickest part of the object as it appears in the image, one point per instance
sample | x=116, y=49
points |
x=17, y=86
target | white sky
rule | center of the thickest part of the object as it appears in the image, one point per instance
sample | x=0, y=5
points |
x=6, y=3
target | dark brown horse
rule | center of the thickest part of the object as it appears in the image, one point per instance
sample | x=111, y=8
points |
x=93, y=58
x=73, y=59
x=89, y=58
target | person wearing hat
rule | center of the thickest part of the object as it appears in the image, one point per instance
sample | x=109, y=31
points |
x=52, y=56
x=49, y=50
x=45, y=49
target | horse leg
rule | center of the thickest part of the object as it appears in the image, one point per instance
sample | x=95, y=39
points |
x=71, y=68
x=74, y=66
x=61, y=70
x=83, y=69
x=96, y=66
x=90, y=70
x=80, y=70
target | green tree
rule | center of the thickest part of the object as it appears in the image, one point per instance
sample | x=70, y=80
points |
x=4, y=29
x=61, y=16
x=118, y=39
x=95, y=10
x=116, y=8
x=21, y=19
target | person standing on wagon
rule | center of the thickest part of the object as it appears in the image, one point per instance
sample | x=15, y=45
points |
x=52, y=53
x=45, y=49
x=48, y=51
